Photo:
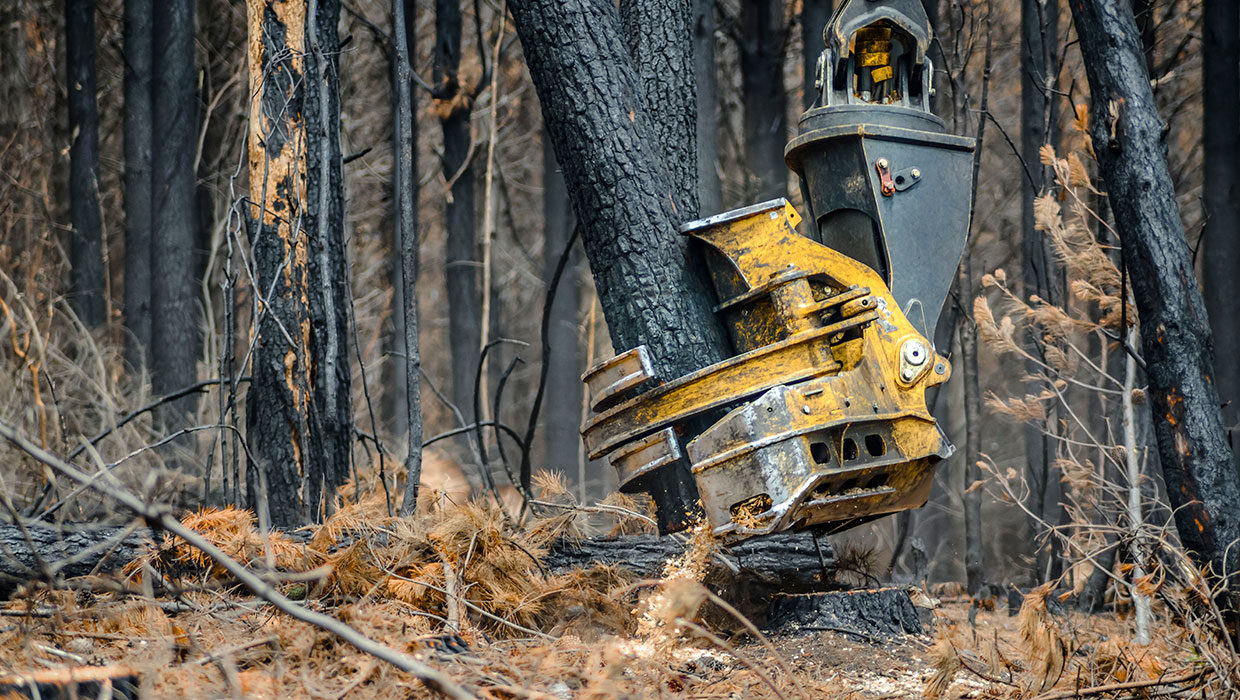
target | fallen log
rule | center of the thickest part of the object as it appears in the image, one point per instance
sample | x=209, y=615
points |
x=64, y=552
x=786, y=562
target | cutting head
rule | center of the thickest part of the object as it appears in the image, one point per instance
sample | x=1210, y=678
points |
x=883, y=181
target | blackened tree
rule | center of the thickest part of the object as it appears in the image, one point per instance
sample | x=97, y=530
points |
x=761, y=36
x=405, y=194
x=86, y=279
x=1203, y=484
x=603, y=138
x=1221, y=193
x=453, y=102
x=174, y=317
x=139, y=133
x=298, y=413
x=710, y=194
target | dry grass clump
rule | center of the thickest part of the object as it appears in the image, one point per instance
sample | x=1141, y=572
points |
x=457, y=564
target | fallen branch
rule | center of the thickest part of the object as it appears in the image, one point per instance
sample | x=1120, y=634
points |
x=1116, y=687
x=160, y=515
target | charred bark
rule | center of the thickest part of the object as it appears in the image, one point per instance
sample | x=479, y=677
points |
x=1128, y=136
x=174, y=310
x=786, y=562
x=874, y=615
x=328, y=284
x=86, y=276
x=760, y=40
x=453, y=102
x=139, y=130
x=1221, y=194
x=60, y=554
x=278, y=418
x=405, y=185
x=650, y=288
x=710, y=195
x=1039, y=29
x=660, y=37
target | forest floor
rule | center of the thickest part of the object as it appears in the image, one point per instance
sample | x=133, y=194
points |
x=611, y=642
x=240, y=648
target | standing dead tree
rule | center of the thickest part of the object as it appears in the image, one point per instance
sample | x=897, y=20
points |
x=453, y=94
x=174, y=307
x=1203, y=484
x=86, y=275
x=594, y=113
x=405, y=183
x=139, y=137
x=298, y=417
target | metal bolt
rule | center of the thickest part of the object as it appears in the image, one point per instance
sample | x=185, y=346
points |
x=805, y=410
x=916, y=172
x=882, y=163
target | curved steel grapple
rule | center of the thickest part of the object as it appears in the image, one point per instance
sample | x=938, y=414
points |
x=820, y=419
x=827, y=422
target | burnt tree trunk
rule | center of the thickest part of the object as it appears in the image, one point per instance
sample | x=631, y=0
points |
x=814, y=17
x=284, y=415
x=1221, y=194
x=619, y=185
x=328, y=288
x=760, y=39
x=710, y=194
x=454, y=102
x=405, y=186
x=786, y=562
x=1039, y=25
x=1203, y=484
x=660, y=35
x=139, y=130
x=174, y=308
x=86, y=276
x=563, y=412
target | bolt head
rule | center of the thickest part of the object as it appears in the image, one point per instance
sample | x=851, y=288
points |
x=882, y=163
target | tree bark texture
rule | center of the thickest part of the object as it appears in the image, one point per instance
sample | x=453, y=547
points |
x=788, y=562
x=660, y=37
x=563, y=411
x=652, y=291
x=64, y=553
x=1221, y=194
x=278, y=412
x=454, y=103
x=1039, y=23
x=86, y=276
x=814, y=17
x=710, y=194
x=972, y=498
x=329, y=291
x=139, y=133
x=760, y=40
x=1203, y=484
x=174, y=309
x=406, y=198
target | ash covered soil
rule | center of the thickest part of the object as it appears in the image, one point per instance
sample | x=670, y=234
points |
x=240, y=648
